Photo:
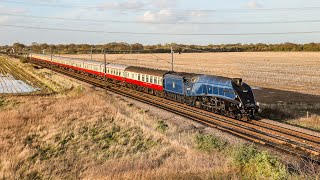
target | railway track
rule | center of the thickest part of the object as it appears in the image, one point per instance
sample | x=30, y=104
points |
x=294, y=142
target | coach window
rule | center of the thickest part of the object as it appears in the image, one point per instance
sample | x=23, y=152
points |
x=147, y=78
x=160, y=81
x=155, y=80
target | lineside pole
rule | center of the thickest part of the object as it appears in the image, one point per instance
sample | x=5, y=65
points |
x=91, y=53
x=105, y=68
x=51, y=60
x=172, y=59
x=30, y=53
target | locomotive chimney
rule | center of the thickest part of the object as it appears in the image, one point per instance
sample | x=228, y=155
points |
x=237, y=81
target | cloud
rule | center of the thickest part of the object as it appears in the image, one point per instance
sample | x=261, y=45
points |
x=4, y=19
x=161, y=16
x=135, y=4
x=129, y=4
x=16, y=10
x=254, y=4
x=164, y=3
x=168, y=16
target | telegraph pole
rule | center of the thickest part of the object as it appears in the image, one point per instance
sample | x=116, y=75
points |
x=51, y=61
x=30, y=53
x=105, y=68
x=51, y=53
x=91, y=53
x=172, y=59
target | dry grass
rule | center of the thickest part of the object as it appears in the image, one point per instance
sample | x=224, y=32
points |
x=92, y=136
x=293, y=71
x=312, y=122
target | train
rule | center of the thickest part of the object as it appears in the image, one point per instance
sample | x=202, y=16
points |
x=229, y=97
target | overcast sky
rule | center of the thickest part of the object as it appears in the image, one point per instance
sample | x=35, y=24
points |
x=145, y=16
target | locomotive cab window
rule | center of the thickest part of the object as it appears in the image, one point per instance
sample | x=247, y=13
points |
x=221, y=91
x=210, y=89
x=215, y=90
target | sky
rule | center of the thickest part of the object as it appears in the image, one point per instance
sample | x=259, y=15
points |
x=199, y=22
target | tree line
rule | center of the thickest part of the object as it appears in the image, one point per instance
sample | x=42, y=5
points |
x=122, y=47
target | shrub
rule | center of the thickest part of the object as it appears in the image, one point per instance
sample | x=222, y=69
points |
x=162, y=126
x=208, y=143
x=23, y=60
x=2, y=102
x=258, y=165
x=243, y=154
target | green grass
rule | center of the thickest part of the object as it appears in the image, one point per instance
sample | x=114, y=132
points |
x=255, y=164
x=162, y=126
x=209, y=143
x=2, y=102
x=107, y=140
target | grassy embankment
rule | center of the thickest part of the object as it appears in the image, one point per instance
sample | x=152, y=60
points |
x=89, y=134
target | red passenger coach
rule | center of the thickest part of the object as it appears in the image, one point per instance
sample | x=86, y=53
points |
x=139, y=78
x=145, y=77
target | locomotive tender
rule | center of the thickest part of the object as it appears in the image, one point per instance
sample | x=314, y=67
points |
x=227, y=96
